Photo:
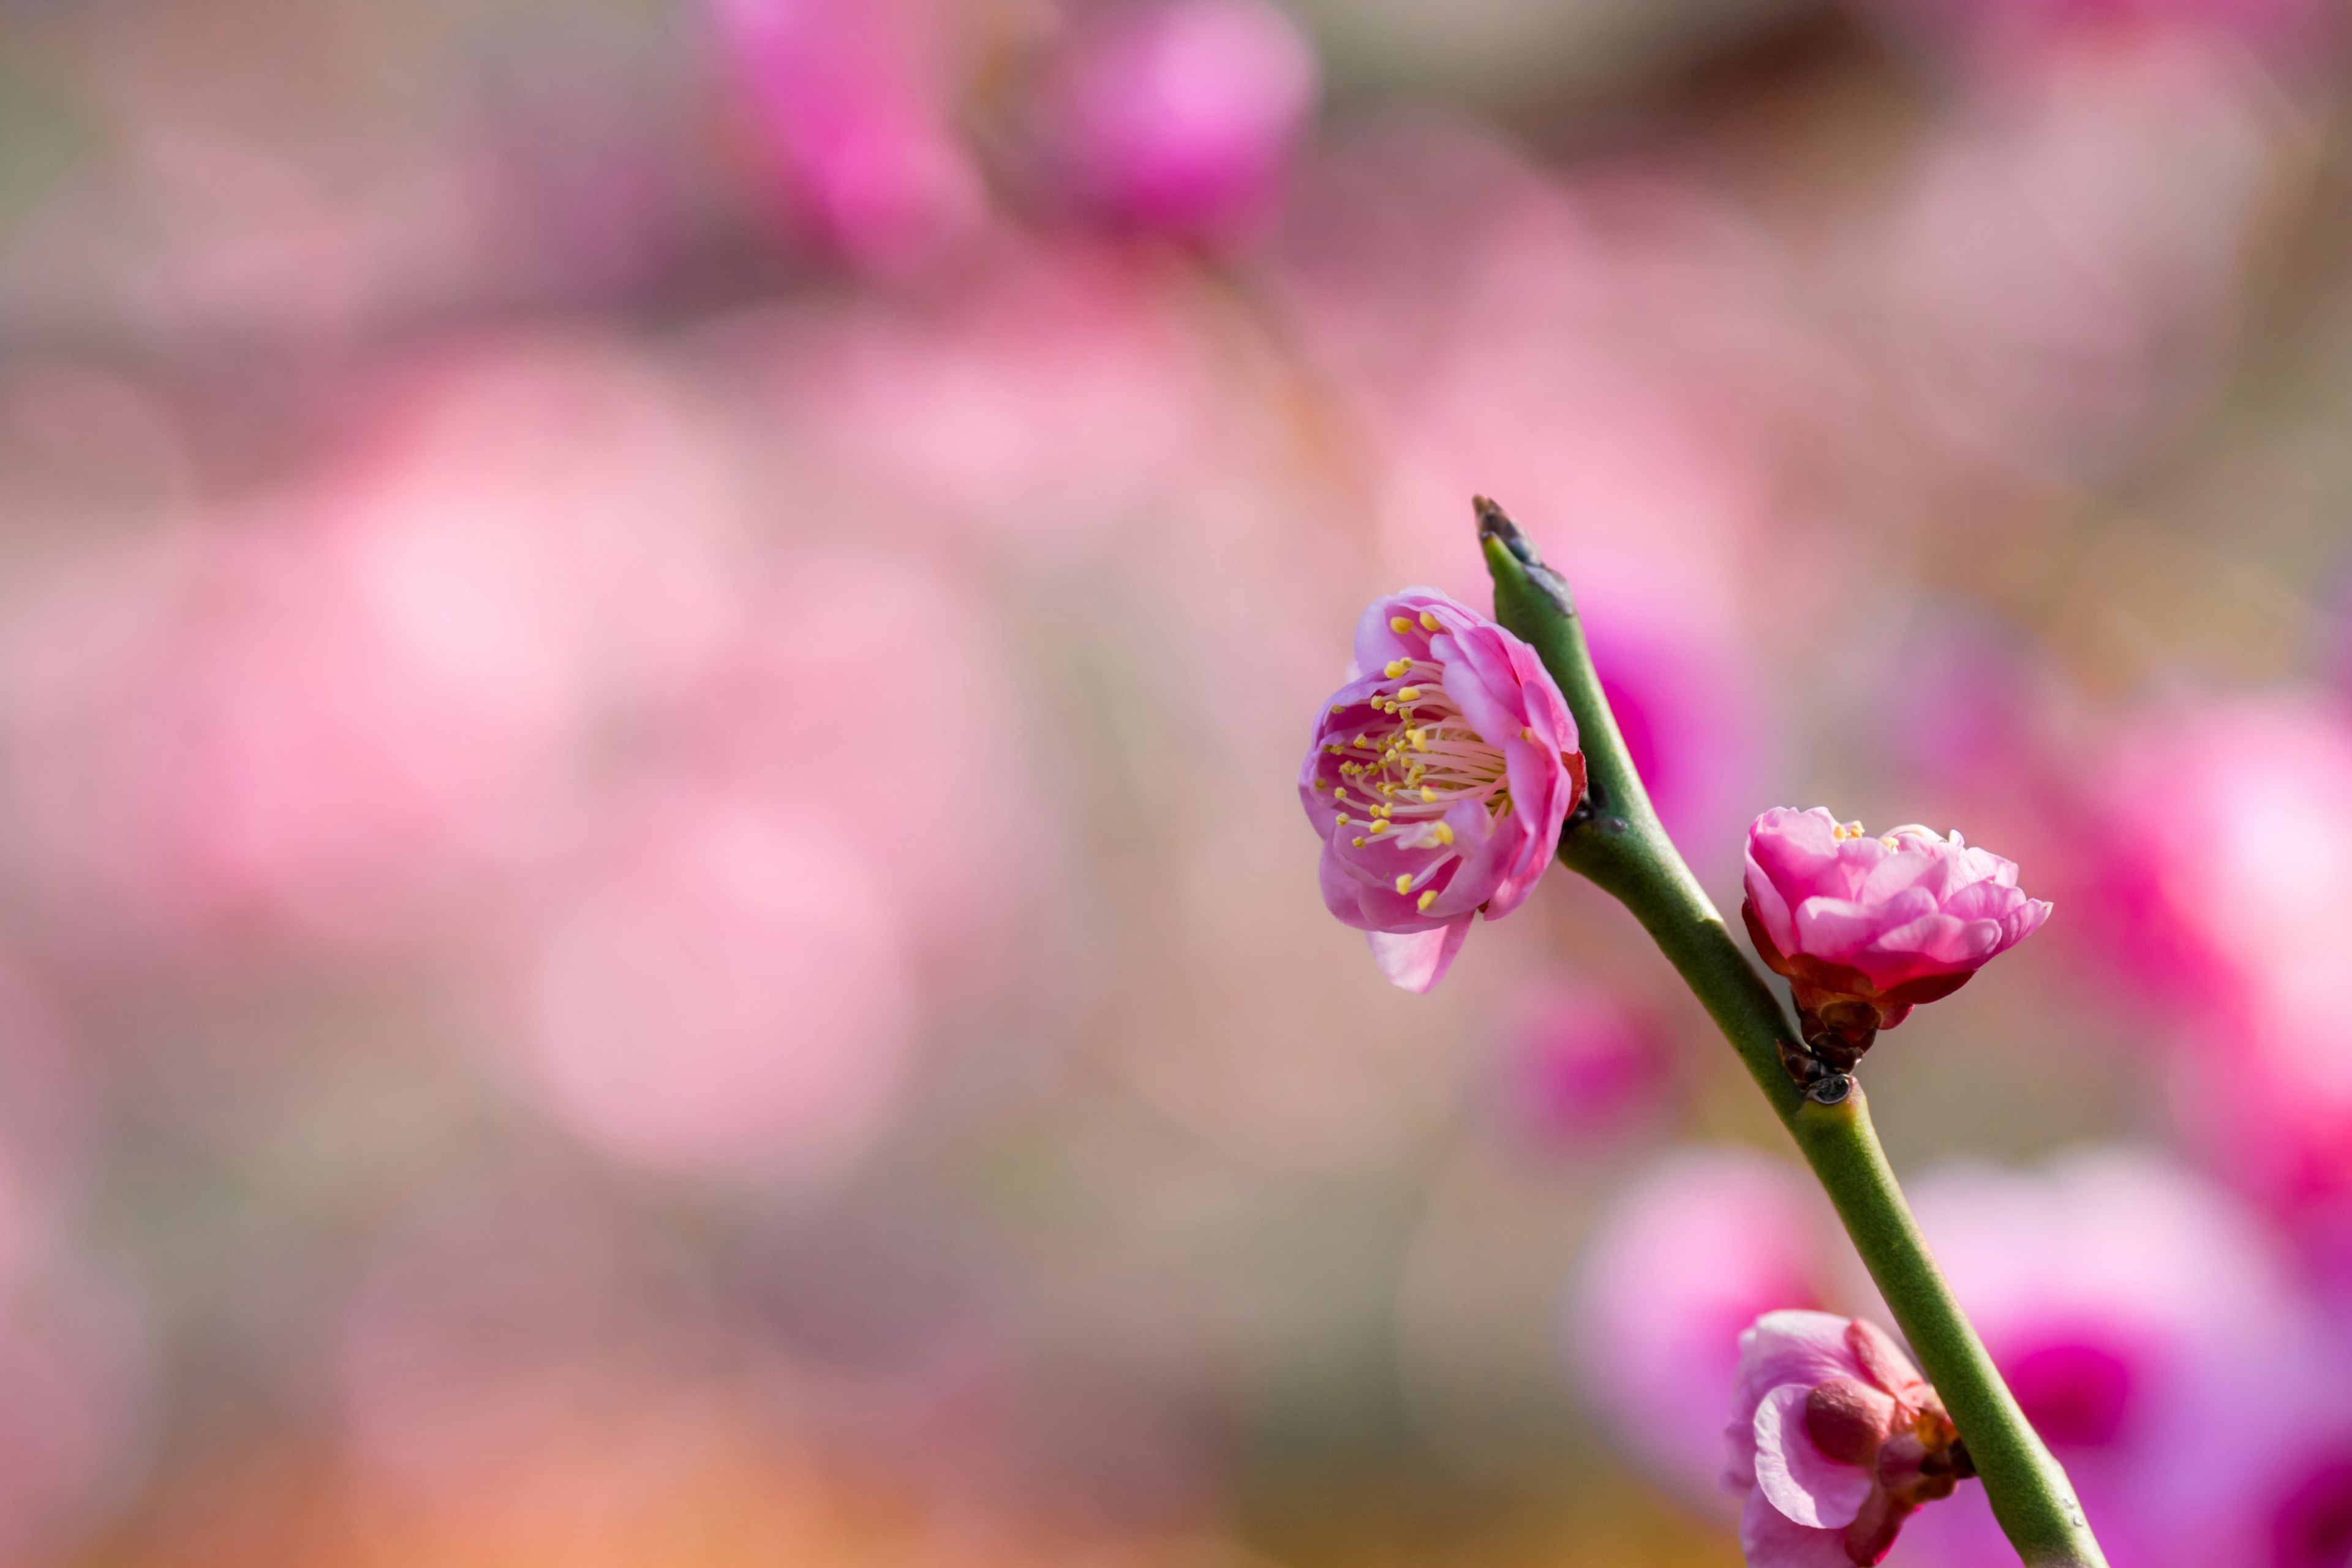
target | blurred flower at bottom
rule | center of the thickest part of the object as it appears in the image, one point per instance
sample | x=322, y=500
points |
x=1695, y=1248
x=2154, y=1333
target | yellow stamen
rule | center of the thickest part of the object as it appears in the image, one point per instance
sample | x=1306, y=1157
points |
x=1431, y=623
x=1395, y=668
x=1379, y=825
x=1407, y=693
x=1420, y=739
x=1426, y=900
x=1399, y=624
x=1444, y=834
x=1343, y=819
x=1428, y=794
x=1357, y=842
x=1404, y=881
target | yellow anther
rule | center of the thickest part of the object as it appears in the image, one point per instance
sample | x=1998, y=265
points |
x=1399, y=624
x=1357, y=842
x=1379, y=825
x=1526, y=734
x=1395, y=668
x=1343, y=819
x=1428, y=794
x=1444, y=834
x=1426, y=900
x=1407, y=693
x=1431, y=623
x=1420, y=739
x=1338, y=708
x=1322, y=784
x=1404, y=881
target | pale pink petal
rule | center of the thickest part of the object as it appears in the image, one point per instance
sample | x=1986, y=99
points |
x=1419, y=959
x=1770, y=1539
x=1794, y=1475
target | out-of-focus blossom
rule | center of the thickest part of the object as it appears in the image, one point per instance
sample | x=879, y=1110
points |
x=2064, y=273
x=1583, y=1069
x=723, y=990
x=823, y=666
x=2224, y=853
x=1834, y=1441
x=1702, y=1245
x=1866, y=928
x=855, y=101
x=1178, y=116
x=2154, y=1336
x=328, y=710
x=1438, y=783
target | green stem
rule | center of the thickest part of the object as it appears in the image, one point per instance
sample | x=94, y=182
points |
x=1618, y=843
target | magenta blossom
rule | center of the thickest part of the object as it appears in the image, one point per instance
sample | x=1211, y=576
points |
x=1866, y=928
x=1439, y=778
x=1834, y=1440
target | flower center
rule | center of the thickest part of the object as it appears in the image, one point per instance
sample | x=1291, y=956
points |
x=1407, y=770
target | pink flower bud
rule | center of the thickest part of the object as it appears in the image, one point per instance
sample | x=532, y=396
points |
x=1439, y=778
x=1866, y=928
x=1834, y=1440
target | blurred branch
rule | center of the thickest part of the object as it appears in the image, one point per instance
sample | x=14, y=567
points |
x=1614, y=839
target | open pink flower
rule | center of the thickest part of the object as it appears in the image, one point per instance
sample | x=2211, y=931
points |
x=1866, y=928
x=1439, y=778
x=1834, y=1440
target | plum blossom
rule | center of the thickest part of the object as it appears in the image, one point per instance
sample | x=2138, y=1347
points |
x=1180, y=117
x=1703, y=1243
x=1439, y=778
x=1834, y=1440
x=2158, y=1337
x=1866, y=928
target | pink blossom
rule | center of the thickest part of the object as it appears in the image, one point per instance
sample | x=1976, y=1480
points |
x=2155, y=1334
x=721, y=990
x=1438, y=777
x=1181, y=116
x=852, y=101
x=1700, y=1244
x=1586, y=1070
x=1834, y=1440
x=1866, y=928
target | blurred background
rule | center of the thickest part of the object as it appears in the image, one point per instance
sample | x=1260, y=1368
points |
x=652, y=657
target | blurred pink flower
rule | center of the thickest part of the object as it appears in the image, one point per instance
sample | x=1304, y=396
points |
x=1179, y=115
x=854, y=101
x=2155, y=1336
x=2063, y=275
x=1834, y=1441
x=329, y=708
x=723, y=989
x=826, y=664
x=1584, y=1069
x=1866, y=928
x=1703, y=1243
x=1463, y=761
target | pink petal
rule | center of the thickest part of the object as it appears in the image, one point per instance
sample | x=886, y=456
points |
x=1793, y=1473
x=1772, y=908
x=1418, y=960
x=1771, y=1539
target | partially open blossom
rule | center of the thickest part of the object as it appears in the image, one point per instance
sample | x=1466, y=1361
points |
x=1440, y=775
x=1866, y=928
x=1834, y=1440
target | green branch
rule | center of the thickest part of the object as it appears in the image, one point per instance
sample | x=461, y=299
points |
x=1615, y=840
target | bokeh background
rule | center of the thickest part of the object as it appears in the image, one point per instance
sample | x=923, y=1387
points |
x=652, y=910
